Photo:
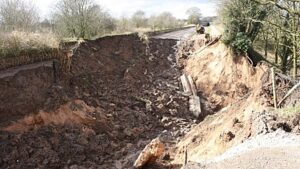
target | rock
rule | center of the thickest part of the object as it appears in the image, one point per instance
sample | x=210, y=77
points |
x=263, y=123
x=296, y=129
x=165, y=119
x=154, y=150
x=161, y=98
x=128, y=132
x=160, y=106
x=227, y=136
x=173, y=111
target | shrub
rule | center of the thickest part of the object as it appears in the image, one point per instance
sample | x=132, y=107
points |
x=237, y=17
x=241, y=43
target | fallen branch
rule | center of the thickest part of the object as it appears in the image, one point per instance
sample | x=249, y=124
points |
x=289, y=93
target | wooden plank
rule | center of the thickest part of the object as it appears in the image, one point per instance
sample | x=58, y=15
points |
x=195, y=105
x=192, y=85
x=189, y=88
x=186, y=86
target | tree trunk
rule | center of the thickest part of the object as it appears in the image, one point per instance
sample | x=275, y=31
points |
x=266, y=45
x=295, y=57
x=276, y=52
x=276, y=46
x=295, y=28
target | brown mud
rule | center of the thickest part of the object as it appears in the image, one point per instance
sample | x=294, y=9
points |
x=119, y=95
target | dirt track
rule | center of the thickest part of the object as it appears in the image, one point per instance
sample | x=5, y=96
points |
x=14, y=71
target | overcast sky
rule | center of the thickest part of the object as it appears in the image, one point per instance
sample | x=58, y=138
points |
x=120, y=8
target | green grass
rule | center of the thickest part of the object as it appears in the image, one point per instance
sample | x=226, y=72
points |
x=289, y=111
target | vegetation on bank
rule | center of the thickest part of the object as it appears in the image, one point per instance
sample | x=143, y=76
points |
x=268, y=26
x=18, y=43
x=288, y=112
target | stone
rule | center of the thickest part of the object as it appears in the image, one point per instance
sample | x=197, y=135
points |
x=165, y=119
x=160, y=106
x=154, y=150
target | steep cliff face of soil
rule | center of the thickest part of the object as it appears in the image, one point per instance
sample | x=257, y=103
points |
x=24, y=93
x=222, y=77
x=120, y=94
x=241, y=94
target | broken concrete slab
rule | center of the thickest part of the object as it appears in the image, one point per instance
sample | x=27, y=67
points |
x=195, y=105
x=186, y=85
x=190, y=90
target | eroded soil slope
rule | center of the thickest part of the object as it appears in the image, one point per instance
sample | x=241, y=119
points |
x=241, y=94
x=24, y=93
x=120, y=94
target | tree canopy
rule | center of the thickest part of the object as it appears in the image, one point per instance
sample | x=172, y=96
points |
x=18, y=15
x=194, y=15
x=81, y=18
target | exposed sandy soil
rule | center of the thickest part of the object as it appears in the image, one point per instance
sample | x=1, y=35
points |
x=242, y=96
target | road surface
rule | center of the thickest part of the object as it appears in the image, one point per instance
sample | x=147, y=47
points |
x=12, y=71
x=177, y=35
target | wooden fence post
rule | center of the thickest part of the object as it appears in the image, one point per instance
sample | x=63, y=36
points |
x=274, y=88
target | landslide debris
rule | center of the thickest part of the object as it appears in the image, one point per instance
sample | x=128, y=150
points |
x=119, y=95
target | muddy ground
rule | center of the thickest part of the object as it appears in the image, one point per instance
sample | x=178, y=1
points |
x=120, y=94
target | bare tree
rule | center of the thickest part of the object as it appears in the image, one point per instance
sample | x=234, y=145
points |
x=163, y=21
x=123, y=25
x=18, y=15
x=81, y=18
x=194, y=15
x=139, y=19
